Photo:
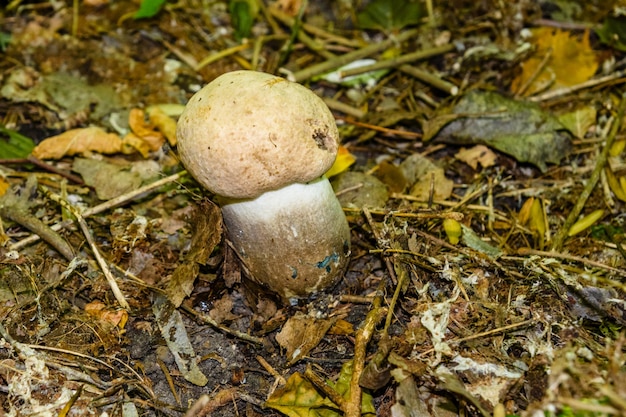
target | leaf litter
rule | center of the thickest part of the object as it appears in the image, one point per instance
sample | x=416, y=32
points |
x=488, y=241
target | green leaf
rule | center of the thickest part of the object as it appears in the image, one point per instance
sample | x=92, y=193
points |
x=242, y=15
x=14, y=145
x=5, y=39
x=149, y=8
x=391, y=15
x=613, y=32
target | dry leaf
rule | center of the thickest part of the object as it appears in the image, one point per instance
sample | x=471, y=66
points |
x=78, y=141
x=301, y=333
x=570, y=61
x=478, y=155
x=222, y=310
x=342, y=162
x=164, y=123
x=99, y=310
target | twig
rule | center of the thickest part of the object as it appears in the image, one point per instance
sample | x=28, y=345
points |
x=430, y=79
x=314, y=30
x=558, y=255
x=363, y=336
x=485, y=334
x=329, y=391
x=208, y=320
x=560, y=236
x=399, y=60
x=222, y=54
x=117, y=293
x=334, y=104
x=341, y=60
x=612, y=78
x=114, y=202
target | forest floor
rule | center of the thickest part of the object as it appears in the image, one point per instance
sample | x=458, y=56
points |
x=481, y=171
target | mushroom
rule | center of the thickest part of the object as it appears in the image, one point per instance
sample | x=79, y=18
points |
x=262, y=144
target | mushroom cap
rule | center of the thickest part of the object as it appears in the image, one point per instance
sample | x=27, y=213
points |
x=247, y=132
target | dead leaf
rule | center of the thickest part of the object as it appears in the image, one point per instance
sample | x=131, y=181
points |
x=78, y=141
x=207, y=226
x=579, y=121
x=99, y=310
x=221, y=310
x=515, y=127
x=477, y=155
x=164, y=123
x=109, y=180
x=342, y=162
x=146, y=132
x=423, y=175
x=299, y=398
x=175, y=334
x=570, y=61
x=301, y=333
x=392, y=176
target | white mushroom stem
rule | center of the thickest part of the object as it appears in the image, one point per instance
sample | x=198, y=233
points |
x=295, y=240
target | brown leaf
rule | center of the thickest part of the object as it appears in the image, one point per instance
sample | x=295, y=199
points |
x=301, y=333
x=570, y=61
x=207, y=226
x=164, y=123
x=78, y=141
x=477, y=155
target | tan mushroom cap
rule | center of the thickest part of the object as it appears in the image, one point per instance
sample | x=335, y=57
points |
x=249, y=132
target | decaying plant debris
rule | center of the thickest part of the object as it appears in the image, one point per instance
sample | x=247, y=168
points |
x=482, y=174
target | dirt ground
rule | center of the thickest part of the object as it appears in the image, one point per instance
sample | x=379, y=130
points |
x=481, y=172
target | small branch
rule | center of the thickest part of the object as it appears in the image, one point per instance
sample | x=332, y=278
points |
x=561, y=235
x=205, y=318
x=92, y=244
x=430, y=79
x=341, y=60
x=117, y=201
x=399, y=60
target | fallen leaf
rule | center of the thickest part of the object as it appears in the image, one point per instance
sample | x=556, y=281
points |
x=477, y=155
x=299, y=398
x=301, y=333
x=99, y=310
x=222, y=309
x=518, y=128
x=164, y=123
x=358, y=189
x=579, y=121
x=207, y=224
x=423, y=175
x=108, y=180
x=342, y=162
x=570, y=61
x=392, y=176
x=78, y=141
x=173, y=330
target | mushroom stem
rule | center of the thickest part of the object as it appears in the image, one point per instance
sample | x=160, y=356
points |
x=294, y=240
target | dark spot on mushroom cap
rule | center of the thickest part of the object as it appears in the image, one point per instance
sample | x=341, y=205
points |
x=322, y=139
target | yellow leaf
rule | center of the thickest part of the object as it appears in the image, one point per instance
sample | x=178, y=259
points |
x=342, y=162
x=4, y=186
x=537, y=221
x=453, y=230
x=78, y=141
x=299, y=398
x=164, y=123
x=586, y=222
x=561, y=59
x=524, y=213
x=614, y=184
